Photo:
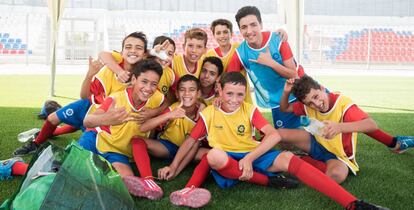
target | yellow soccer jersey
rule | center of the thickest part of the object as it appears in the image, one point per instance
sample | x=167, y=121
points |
x=334, y=145
x=177, y=130
x=108, y=78
x=118, y=140
x=180, y=68
x=226, y=58
x=230, y=132
x=109, y=81
x=166, y=81
x=209, y=101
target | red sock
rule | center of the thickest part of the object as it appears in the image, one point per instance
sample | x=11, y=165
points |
x=19, y=168
x=45, y=133
x=141, y=157
x=315, y=163
x=231, y=171
x=64, y=129
x=319, y=181
x=382, y=137
x=200, y=173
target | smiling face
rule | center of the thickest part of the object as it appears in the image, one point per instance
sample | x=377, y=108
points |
x=144, y=86
x=133, y=50
x=222, y=35
x=317, y=99
x=209, y=75
x=232, y=96
x=250, y=29
x=188, y=93
x=194, y=49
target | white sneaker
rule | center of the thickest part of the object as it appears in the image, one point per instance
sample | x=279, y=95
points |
x=29, y=135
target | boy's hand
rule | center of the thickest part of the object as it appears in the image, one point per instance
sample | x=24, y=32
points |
x=166, y=173
x=264, y=58
x=115, y=116
x=246, y=166
x=178, y=112
x=331, y=129
x=94, y=66
x=123, y=76
x=144, y=114
x=161, y=46
x=289, y=84
x=283, y=34
x=217, y=102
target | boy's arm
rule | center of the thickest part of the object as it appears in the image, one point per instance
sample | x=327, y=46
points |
x=355, y=120
x=285, y=106
x=106, y=114
x=108, y=60
x=170, y=171
x=94, y=67
x=271, y=138
x=287, y=70
x=150, y=124
x=147, y=113
x=185, y=149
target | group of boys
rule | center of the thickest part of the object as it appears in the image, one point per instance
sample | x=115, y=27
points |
x=199, y=105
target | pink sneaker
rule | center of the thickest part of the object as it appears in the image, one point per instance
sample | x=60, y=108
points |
x=140, y=187
x=191, y=197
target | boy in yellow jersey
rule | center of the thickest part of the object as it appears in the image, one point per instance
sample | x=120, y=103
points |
x=211, y=70
x=112, y=137
x=178, y=120
x=93, y=92
x=168, y=80
x=342, y=120
x=235, y=155
x=195, y=43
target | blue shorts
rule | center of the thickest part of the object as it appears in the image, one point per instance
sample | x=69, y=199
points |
x=284, y=119
x=171, y=147
x=88, y=142
x=318, y=152
x=74, y=113
x=260, y=165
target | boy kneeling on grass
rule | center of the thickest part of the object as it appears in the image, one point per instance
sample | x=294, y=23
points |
x=236, y=156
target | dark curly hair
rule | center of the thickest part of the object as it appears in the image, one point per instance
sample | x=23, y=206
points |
x=147, y=65
x=302, y=87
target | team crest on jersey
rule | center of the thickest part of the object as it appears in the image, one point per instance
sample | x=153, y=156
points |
x=240, y=130
x=164, y=89
x=69, y=112
x=276, y=56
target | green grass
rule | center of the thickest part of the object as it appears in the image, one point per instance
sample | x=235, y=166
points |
x=385, y=178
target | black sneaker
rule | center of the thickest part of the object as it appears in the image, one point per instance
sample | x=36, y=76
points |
x=26, y=149
x=283, y=182
x=362, y=205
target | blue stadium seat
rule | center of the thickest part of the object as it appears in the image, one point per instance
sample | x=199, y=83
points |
x=18, y=41
x=23, y=46
x=10, y=41
x=6, y=35
x=16, y=46
x=3, y=40
x=7, y=46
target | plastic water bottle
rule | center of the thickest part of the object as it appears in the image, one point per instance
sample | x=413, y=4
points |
x=313, y=126
x=28, y=135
